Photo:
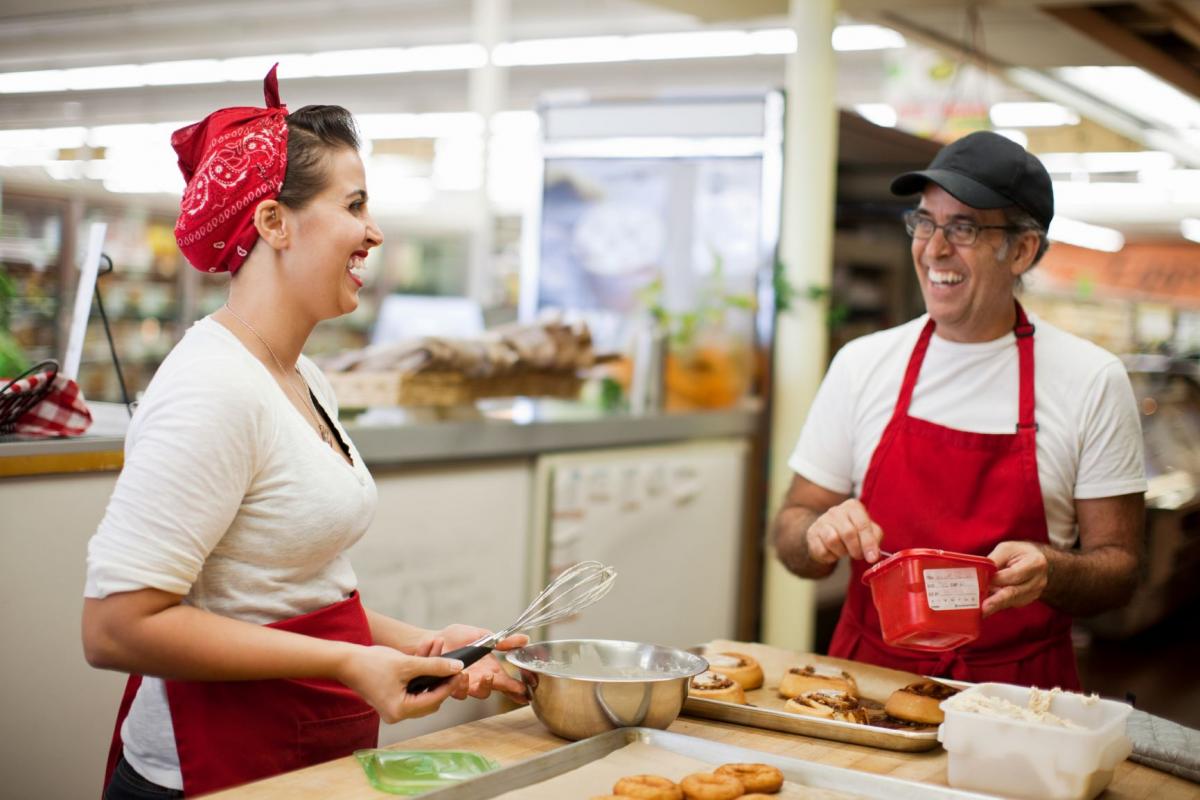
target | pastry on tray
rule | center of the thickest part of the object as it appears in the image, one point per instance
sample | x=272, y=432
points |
x=648, y=787
x=740, y=667
x=756, y=778
x=828, y=704
x=815, y=678
x=919, y=702
x=716, y=686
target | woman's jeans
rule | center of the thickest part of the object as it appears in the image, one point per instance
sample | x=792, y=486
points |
x=127, y=784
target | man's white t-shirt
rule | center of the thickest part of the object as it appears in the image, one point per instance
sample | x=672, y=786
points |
x=229, y=498
x=1089, y=439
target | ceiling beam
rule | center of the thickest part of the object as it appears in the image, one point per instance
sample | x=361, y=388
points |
x=1045, y=84
x=1098, y=26
x=1184, y=24
x=723, y=10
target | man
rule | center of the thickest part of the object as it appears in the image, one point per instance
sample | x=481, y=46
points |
x=978, y=429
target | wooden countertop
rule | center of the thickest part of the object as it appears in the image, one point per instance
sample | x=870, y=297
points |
x=517, y=735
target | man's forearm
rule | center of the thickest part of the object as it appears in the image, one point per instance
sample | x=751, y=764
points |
x=791, y=542
x=1085, y=583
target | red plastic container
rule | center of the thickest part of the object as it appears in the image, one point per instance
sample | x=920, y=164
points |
x=929, y=599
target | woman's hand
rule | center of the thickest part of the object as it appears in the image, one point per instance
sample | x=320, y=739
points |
x=486, y=674
x=844, y=530
x=1021, y=578
x=379, y=674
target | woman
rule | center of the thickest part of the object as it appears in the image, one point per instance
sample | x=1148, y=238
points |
x=220, y=567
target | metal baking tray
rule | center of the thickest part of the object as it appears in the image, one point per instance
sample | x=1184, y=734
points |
x=765, y=708
x=805, y=773
x=785, y=721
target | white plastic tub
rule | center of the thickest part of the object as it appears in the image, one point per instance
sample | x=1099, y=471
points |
x=1027, y=759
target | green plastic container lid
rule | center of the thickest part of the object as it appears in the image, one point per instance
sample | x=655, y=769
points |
x=411, y=772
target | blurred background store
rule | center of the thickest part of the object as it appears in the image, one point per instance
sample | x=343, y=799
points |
x=624, y=161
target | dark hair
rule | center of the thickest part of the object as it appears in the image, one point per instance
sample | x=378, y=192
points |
x=1020, y=219
x=313, y=131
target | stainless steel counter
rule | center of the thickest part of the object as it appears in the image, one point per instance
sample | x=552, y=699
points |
x=392, y=437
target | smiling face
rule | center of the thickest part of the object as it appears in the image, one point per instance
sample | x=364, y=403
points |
x=968, y=290
x=329, y=239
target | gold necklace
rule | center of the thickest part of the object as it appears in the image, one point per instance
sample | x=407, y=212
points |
x=322, y=429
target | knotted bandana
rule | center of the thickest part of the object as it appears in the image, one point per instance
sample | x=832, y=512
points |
x=232, y=159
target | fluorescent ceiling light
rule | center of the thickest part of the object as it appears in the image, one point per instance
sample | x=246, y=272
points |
x=644, y=47
x=178, y=73
x=866, y=37
x=386, y=60
x=698, y=44
x=248, y=68
x=582, y=50
x=1138, y=161
x=117, y=76
x=45, y=80
x=463, y=56
x=774, y=41
x=57, y=138
x=881, y=114
x=1137, y=91
x=1189, y=227
x=420, y=126
x=518, y=123
x=1082, y=234
x=1032, y=115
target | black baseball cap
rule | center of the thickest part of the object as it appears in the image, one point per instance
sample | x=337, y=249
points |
x=986, y=170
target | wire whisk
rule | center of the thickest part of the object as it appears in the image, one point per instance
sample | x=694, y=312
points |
x=572, y=591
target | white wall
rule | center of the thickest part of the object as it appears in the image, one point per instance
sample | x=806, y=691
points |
x=57, y=712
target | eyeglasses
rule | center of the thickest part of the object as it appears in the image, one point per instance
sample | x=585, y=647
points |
x=960, y=231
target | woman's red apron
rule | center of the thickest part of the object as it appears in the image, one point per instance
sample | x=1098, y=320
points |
x=933, y=486
x=233, y=732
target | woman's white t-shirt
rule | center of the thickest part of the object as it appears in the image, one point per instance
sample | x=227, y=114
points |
x=229, y=498
x=1089, y=439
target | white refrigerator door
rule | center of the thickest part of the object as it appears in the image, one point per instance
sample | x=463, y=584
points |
x=668, y=518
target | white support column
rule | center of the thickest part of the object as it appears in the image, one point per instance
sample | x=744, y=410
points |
x=801, y=334
x=488, y=92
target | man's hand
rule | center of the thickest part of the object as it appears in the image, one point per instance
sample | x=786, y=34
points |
x=486, y=674
x=844, y=530
x=1023, y=571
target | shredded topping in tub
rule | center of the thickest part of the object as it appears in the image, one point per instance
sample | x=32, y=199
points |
x=1037, y=711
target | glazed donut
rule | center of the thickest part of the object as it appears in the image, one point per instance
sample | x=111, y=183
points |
x=759, y=778
x=708, y=786
x=647, y=787
x=919, y=702
x=828, y=704
x=798, y=680
x=716, y=686
x=756, y=796
x=739, y=667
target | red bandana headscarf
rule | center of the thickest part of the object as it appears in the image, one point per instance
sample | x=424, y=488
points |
x=232, y=159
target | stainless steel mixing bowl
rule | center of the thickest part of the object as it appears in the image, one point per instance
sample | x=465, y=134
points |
x=582, y=687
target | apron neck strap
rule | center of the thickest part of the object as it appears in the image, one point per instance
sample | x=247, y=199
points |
x=1022, y=329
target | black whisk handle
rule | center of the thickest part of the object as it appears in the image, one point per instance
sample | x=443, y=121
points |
x=468, y=655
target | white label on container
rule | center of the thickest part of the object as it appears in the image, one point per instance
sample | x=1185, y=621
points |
x=947, y=589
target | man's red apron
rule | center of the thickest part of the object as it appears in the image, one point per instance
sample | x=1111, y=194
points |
x=233, y=732
x=933, y=486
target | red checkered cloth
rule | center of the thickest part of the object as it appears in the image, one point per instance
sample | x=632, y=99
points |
x=62, y=412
